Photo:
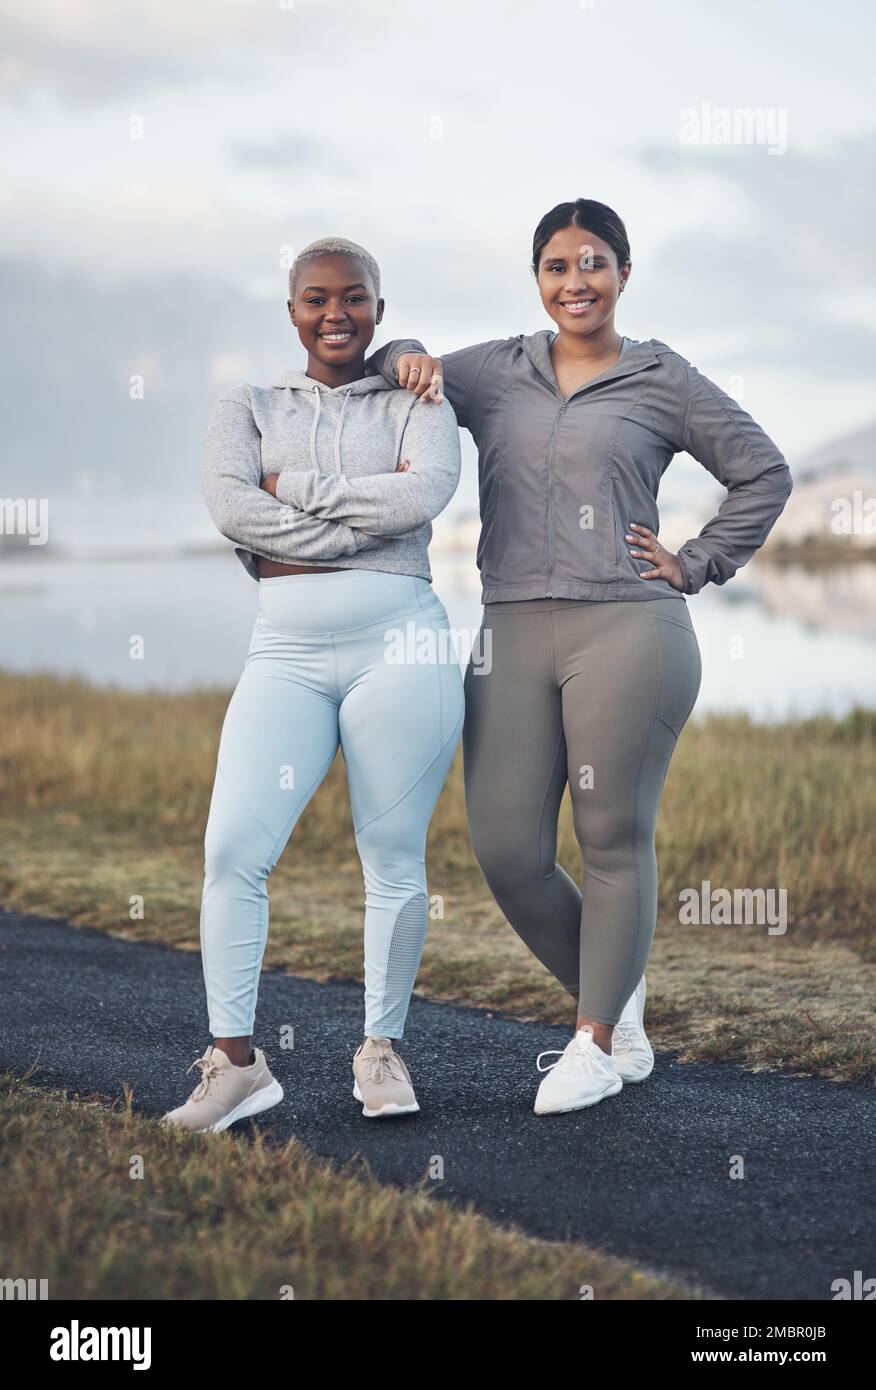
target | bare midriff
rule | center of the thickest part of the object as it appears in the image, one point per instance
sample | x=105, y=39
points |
x=269, y=568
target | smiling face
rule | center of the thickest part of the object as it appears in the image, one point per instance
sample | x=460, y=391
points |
x=335, y=310
x=579, y=280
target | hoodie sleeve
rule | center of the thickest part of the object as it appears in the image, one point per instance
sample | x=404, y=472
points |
x=733, y=447
x=384, y=361
x=462, y=371
x=388, y=504
x=231, y=473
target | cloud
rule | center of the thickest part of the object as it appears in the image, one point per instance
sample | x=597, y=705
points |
x=293, y=151
x=782, y=289
x=130, y=230
x=87, y=53
x=65, y=376
x=267, y=127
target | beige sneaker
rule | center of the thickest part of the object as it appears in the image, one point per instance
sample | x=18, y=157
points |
x=383, y=1082
x=225, y=1093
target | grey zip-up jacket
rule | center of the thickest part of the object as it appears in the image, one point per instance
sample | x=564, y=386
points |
x=561, y=479
x=339, y=501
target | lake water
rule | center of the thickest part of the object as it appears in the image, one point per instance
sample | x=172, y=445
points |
x=775, y=641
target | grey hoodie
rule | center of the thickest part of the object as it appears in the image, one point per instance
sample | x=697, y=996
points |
x=339, y=501
x=561, y=479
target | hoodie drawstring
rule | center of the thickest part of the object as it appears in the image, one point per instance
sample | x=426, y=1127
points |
x=313, y=457
x=316, y=410
x=338, y=434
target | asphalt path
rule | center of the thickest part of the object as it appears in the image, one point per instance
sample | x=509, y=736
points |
x=645, y=1175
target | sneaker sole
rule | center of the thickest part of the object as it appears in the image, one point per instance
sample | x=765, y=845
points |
x=261, y=1100
x=386, y=1111
x=611, y=1090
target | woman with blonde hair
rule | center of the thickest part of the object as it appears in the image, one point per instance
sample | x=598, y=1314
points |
x=327, y=481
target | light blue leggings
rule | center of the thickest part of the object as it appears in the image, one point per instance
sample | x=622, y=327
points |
x=357, y=658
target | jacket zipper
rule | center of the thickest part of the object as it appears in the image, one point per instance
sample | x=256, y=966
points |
x=597, y=381
x=551, y=499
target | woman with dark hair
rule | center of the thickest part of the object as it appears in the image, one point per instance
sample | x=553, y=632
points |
x=595, y=666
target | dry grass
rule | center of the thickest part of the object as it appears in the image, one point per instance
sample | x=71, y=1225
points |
x=104, y=795
x=227, y=1216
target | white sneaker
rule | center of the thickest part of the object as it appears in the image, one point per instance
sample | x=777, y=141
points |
x=583, y=1075
x=630, y=1049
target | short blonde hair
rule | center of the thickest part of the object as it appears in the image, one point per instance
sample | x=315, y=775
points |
x=333, y=246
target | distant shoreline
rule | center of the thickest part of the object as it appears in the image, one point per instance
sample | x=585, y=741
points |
x=812, y=550
x=816, y=551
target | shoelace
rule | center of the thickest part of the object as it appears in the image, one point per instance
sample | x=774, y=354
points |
x=568, y=1057
x=209, y=1070
x=385, y=1062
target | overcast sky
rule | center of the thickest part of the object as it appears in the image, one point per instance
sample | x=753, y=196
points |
x=436, y=135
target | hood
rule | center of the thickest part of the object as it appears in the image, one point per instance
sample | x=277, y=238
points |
x=637, y=356
x=293, y=380
x=300, y=381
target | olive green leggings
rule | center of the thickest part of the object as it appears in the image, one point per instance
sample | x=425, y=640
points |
x=593, y=693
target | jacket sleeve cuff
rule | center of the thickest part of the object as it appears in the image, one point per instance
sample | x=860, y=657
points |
x=695, y=566
x=406, y=345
